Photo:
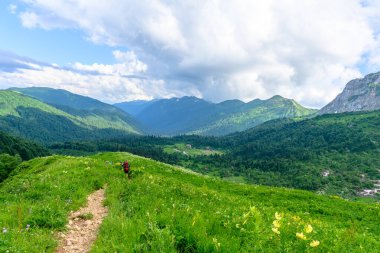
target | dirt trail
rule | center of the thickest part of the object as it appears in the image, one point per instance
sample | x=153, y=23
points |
x=83, y=225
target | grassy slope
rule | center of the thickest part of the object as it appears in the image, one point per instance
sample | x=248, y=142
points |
x=89, y=110
x=189, y=151
x=164, y=209
x=10, y=101
x=34, y=119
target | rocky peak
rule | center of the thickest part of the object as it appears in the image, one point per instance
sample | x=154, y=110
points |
x=361, y=94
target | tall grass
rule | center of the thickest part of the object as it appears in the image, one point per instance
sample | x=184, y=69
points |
x=166, y=209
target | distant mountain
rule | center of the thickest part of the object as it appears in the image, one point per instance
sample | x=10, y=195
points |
x=31, y=118
x=244, y=116
x=134, y=107
x=191, y=115
x=82, y=106
x=358, y=95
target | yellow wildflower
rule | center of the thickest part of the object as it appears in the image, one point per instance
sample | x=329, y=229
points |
x=314, y=243
x=276, y=224
x=296, y=218
x=275, y=230
x=278, y=216
x=301, y=236
x=308, y=229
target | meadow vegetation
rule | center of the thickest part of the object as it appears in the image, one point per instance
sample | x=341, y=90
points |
x=170, y=209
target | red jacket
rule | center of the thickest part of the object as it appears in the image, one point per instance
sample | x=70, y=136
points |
x=126, y=166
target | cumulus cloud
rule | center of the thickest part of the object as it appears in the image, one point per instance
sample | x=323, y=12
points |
x=122, y=81
x=224, y=49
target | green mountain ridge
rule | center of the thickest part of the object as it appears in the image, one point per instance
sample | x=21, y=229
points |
x=167, y=209
x=28, y=117
x=82, y=106
x=191, y=115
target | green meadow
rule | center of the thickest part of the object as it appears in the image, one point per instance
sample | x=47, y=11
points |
x=169, y=209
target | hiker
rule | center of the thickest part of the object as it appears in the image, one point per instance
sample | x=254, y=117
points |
x=126, y=168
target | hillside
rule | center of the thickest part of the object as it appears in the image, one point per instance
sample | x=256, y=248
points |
x=167, y=209
x=245, y=116
x=330, y=154
x=359, y=95
x=33, y=119
x=334, y=154
x=13, y=150
x=134, y=107
x=84, y=107
x=191, y=115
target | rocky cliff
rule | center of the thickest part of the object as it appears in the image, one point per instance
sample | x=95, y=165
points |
x=359, y=95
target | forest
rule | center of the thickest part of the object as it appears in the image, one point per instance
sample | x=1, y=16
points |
x=288, y=153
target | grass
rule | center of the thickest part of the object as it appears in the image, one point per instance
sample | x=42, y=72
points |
x=168, y=209
x=189, y=150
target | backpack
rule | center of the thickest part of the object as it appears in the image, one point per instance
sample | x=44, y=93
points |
x=126, y=167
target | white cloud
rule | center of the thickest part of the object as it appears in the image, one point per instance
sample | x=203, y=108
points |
x=12, y=8
x=128, y=64
x=111, y=83
x=225, y=49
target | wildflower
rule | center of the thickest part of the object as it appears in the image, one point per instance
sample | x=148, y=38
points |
x=314, y=243
x=301, y=236
x=308, y=229
x=27, y=227
x=276, y=231
x=278, y=216
x=296, y=218
x=252, y=209
x=217, y=244
x=276, y=224
x=5, y=230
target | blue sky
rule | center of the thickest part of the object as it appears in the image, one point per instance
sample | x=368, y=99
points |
x=61, y=46
x=125, y=50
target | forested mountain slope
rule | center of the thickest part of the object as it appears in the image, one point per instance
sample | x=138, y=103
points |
x=28, y=117
x=82, y=106
x=191, y=115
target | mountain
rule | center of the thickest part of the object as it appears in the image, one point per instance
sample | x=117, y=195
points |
x=134, y=107
x=164, y=208
x=359, y=95
x=239, y=117
x=81, y=106
x=25, y=116
x=191, y=115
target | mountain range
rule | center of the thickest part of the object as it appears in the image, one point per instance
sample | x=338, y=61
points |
x=191, y=115
x=51, y=115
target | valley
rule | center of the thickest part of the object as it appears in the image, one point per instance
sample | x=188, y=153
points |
x=267, y=176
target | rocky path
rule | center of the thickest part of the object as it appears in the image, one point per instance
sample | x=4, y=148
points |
x=83, y=225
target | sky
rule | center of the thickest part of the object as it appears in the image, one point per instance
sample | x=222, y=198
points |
x=127, y=50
